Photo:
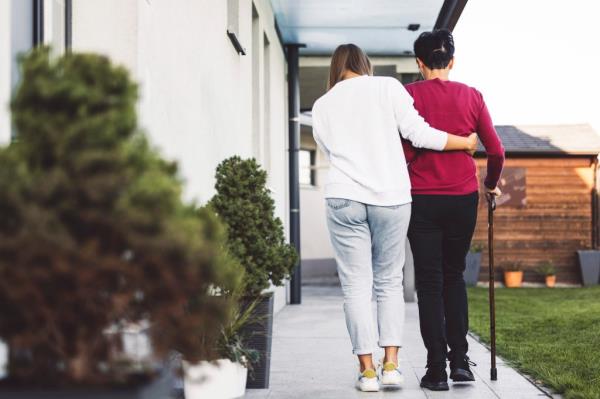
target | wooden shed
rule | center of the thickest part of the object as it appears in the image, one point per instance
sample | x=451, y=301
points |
x=549, y=208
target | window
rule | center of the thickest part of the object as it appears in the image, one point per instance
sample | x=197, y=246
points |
x=52, y=24
x=307, y=166
x=55, y=25
x=407, y=78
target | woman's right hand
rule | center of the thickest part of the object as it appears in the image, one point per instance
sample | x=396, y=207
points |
x=496, y=192
x=472, y=143
x=461, y=143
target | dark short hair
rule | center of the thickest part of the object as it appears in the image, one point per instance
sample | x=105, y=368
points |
x=435, y=48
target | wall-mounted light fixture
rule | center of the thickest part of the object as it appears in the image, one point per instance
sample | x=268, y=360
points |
x=236, y=42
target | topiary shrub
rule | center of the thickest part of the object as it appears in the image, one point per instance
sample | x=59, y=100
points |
x=93, y=232
x=255, y=235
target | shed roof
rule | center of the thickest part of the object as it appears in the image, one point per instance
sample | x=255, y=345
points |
x=549, y=139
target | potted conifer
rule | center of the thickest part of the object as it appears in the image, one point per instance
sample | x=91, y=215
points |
x=473, y=264
x=547, y=270
x=256, y=238
x=94, y=237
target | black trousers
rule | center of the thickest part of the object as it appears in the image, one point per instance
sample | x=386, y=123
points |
x=440, y=233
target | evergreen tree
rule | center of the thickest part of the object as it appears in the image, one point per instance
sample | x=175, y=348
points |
x=93, y=232
x=256, y=236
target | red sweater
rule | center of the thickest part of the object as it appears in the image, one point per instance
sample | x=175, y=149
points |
x=459, y=109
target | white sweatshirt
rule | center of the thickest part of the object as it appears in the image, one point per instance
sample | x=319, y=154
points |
x=356, y=124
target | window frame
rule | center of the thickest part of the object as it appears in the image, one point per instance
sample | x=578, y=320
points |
x=312, y=167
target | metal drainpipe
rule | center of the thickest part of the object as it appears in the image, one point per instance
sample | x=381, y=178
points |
x=68, y=25
x=38, y=22
x=294, y=148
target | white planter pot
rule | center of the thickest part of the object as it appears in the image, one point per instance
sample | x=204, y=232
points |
x=222, y=379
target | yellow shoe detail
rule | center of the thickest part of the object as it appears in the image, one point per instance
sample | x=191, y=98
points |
x=389, y=366
x=369, y=373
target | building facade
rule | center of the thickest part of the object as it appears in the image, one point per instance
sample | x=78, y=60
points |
x=212, y=77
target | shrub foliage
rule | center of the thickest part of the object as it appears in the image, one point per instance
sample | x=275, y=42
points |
x=256, y=236
x=93, y=232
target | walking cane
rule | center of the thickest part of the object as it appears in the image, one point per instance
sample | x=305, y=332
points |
x=491, y=208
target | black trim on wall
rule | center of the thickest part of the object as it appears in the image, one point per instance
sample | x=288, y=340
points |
x=68, y=25
x=38, y=22
x=294, y=148
x=236, y=43
x=449, y=14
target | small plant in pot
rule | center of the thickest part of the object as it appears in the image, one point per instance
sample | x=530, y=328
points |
x=225, y=377
x=93, y=238
x=513, y=274
x=473, y=264
x=547, y=270
x=256, y=238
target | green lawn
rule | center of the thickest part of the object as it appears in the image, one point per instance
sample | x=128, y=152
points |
x=552, y=334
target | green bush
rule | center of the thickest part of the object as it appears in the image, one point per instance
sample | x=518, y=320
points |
x=546, y=268
x=512, y=266
x=256, y=236
x=93, y=232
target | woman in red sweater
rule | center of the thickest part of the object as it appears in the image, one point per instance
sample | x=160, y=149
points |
x=444, y=207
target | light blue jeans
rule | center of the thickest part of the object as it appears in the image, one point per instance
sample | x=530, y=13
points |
x=369, y=243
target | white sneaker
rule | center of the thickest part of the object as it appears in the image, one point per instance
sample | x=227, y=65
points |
x=391, y=374
x=368, y=381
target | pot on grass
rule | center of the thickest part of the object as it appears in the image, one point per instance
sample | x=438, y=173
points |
x=589, y=263
x=258, y=334
x=473, y=264
x=221, y=379
x=513, y=274
x=513, y=279
x=472, y=268
x=548, y=271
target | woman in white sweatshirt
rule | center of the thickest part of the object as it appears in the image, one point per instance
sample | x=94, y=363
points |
x=357, y=124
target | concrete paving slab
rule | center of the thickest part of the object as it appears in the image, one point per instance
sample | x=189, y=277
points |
x=312, y=358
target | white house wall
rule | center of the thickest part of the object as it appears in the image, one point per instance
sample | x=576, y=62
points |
x=196, y=91
x=16, y=37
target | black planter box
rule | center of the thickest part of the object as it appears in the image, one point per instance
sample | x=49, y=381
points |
x=471, y=273
x=259, y=336
x=159, y=388
x=589, y=263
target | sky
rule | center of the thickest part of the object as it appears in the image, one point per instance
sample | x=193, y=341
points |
x=535, y=61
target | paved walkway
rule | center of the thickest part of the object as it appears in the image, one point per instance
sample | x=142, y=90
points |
x=312, y=358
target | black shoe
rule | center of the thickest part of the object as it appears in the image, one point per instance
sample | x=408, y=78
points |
x=460, y=370
x=435, y=379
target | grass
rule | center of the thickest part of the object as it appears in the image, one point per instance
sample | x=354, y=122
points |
x=551, y=334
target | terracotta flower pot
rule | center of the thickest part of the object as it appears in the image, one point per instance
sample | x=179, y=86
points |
x=513, y=279
x=550, y=281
